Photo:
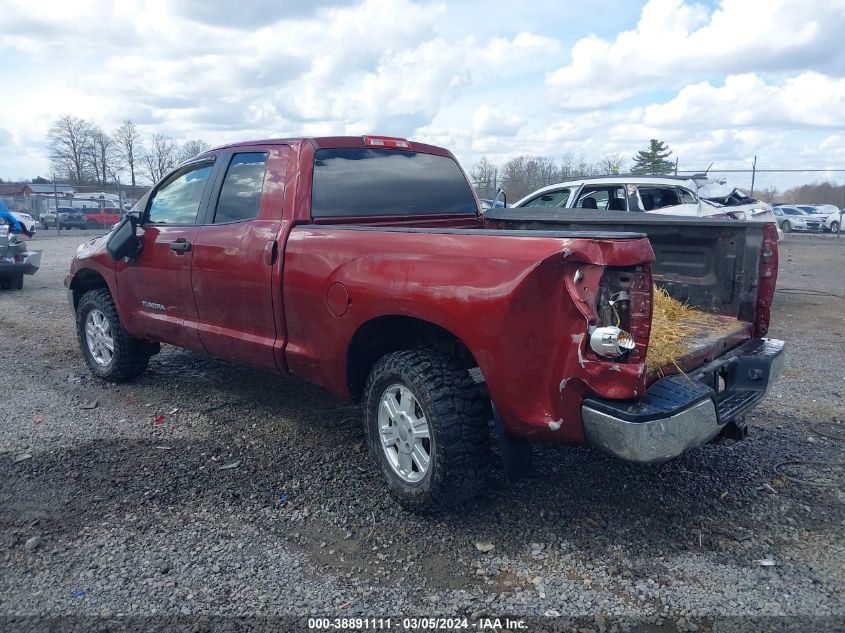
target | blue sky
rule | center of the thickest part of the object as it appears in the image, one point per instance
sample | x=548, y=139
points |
x=719, y=81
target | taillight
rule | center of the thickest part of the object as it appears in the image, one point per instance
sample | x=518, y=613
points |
x=624, y=303
x=767, y=278
x=387, y=142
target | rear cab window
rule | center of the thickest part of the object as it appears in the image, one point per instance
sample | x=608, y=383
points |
x=351, y=182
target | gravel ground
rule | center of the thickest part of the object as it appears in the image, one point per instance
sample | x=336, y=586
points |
x=255, y=495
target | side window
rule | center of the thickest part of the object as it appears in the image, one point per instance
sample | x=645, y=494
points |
x=550, y=199
x=177, y=200
x=240, y=196
x=594, y=199
x=687, y=196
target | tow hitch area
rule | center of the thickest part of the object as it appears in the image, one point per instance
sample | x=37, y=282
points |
x=684, y=411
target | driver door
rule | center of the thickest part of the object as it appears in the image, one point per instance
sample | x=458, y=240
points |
x=155, y=288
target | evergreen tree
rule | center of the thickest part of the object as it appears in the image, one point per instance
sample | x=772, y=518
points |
x=654, y=159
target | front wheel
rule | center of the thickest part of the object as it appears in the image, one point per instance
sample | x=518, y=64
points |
x=786, y=226
x=110, y=352
x=426, y=424
x=834, y=227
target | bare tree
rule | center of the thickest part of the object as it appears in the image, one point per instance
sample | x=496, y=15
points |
x=611, y=163
x=485, y=178
x=192, y=148
x=523, y=174
x=102, y=154
x=159, y=157
x=129, y=147
x=769, y=194
x=70, y=142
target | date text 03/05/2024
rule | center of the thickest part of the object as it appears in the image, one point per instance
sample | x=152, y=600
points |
x=416, y=624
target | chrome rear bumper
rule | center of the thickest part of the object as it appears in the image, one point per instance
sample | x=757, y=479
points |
x=682, y=412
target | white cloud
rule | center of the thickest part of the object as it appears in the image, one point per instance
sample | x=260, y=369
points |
x=747, y=101
x=676, y=42
x=491, y=122
x=718, y=84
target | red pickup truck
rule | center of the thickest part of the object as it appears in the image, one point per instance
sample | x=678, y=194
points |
x=365, y=266
x=101, y=217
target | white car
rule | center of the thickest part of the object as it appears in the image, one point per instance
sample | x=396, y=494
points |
x=792, y=218
x=827, y=214
x=26, y=220
x=720, y=193
x=668, y=195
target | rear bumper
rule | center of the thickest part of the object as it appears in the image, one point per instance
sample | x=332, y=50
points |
x=28, y=263
x=681, y=412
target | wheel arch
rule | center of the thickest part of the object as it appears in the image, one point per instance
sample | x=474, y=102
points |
x=85, y=280
x=390, y=333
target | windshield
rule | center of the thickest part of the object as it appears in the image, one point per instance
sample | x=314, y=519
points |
x=368, y=182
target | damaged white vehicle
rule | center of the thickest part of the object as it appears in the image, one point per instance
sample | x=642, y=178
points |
x=721, y=194
x=668, y=195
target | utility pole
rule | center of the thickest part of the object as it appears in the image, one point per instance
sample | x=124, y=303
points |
x=676, y=165
x=753, y=174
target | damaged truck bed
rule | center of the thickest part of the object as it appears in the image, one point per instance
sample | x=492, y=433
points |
x=722, y=274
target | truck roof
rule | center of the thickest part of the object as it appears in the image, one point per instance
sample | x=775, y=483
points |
x=326, y=142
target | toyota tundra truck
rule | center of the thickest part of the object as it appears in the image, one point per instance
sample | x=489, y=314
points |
x=364, y=265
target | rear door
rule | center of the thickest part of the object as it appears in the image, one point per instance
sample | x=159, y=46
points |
x=236, y=257
x=155, y=289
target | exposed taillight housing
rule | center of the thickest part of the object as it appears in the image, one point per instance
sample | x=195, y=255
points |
x=387, y=142
x=625, y=301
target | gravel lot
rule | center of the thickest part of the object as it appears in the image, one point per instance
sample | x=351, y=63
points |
x=255, y=495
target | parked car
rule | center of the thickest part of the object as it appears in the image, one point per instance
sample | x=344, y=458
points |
x=827, y=214
x=791, y=218
x=26, y=220
x=720, y=193
x=364, y=265
x=65, y=218
x=665, y=195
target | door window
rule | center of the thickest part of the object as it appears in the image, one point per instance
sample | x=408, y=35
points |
x=177, y=200
x=240, y=196
x=600, y=198
x=687, y=196
x=550, y=199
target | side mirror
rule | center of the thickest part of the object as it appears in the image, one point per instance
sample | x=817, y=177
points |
x=504, y=195
x=124, y=242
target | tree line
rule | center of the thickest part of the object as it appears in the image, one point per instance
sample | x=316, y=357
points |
x=81, y=152
x=523, y=174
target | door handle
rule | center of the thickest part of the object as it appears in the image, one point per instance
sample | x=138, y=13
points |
x=181, y=245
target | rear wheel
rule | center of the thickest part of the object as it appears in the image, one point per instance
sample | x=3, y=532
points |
x=109, y=350
x=786, y=226
x=426, y=424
